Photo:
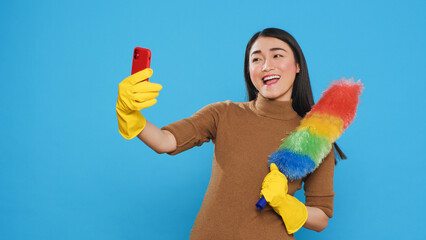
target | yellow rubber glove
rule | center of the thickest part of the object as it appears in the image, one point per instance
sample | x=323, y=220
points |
x=292, y=211
x=135, y=94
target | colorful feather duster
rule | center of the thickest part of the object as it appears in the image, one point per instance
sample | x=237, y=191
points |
x=303, y=151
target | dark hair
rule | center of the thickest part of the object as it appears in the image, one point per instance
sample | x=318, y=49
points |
x=301, y=95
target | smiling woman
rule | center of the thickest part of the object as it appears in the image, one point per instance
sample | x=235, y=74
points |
x=244, y=135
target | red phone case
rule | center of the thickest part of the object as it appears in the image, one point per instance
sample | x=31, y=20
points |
x=141, y=59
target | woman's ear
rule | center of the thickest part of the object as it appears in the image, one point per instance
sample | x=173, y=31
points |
x=297, y=68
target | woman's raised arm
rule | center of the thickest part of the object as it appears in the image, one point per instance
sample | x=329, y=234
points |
x=161, y=141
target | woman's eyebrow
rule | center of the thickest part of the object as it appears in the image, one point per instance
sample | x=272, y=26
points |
x=272, y=49
x=275, y=49
x=254, y=52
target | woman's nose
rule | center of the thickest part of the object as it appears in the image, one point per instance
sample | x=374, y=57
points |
x=267, y=66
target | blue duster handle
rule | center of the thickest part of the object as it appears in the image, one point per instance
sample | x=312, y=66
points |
x=261, y=203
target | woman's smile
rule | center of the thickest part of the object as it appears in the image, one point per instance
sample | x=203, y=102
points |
x=271, y=79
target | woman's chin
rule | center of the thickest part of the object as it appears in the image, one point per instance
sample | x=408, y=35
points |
x=275, y=96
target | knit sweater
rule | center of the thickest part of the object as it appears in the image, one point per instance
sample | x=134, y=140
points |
x=244, y=135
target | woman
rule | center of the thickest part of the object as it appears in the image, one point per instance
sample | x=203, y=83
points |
x=244, y=135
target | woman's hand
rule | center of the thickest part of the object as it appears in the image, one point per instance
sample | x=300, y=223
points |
x=135, y=94
x=274, y=186
x=292, y=211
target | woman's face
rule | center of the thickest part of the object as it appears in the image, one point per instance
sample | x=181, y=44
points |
x=273, y=68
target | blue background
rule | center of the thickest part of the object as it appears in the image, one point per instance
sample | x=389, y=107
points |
x=66, y=172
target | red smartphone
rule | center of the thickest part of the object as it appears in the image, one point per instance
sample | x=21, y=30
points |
x=141, y=59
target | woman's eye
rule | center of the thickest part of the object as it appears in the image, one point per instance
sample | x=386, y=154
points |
x=255, y=60
x=277, y=55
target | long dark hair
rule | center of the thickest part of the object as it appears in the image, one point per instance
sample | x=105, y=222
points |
x=301, y=95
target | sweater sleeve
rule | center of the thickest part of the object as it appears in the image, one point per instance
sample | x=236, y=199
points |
x=197, y=129
x=319, y=186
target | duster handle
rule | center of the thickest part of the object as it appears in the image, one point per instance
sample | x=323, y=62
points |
x=261, y=203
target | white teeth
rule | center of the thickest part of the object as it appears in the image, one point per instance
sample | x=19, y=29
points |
x=271, y=77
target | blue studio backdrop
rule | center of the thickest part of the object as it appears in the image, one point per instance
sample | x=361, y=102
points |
x=66, y=172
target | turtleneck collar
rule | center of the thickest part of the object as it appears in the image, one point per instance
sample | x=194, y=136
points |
x=282, y=110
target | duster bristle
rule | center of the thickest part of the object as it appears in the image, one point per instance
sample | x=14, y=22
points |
x=323, y=125
x=305, y=143
x=303, y=151
x=294, y=166
x=340, y=100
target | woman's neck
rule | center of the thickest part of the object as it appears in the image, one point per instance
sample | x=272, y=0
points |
x=274, y=108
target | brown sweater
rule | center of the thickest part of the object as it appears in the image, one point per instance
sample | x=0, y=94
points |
x=244, y=135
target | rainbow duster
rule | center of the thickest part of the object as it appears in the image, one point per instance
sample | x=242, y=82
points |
x=303, y=151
